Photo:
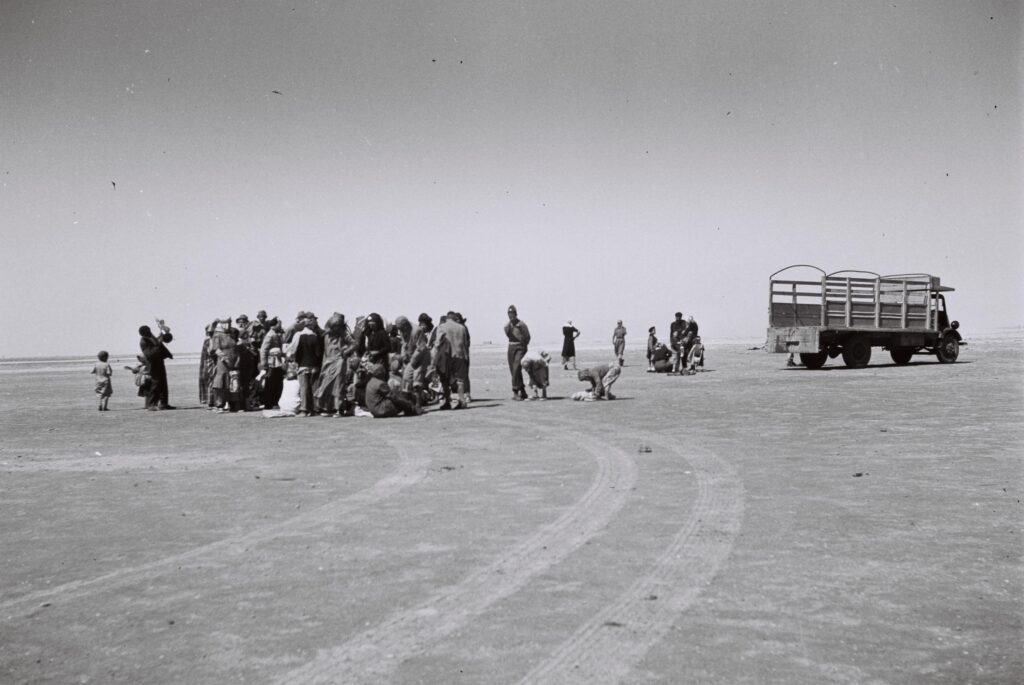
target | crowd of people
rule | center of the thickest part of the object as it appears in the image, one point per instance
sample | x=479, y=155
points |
x=372, y=368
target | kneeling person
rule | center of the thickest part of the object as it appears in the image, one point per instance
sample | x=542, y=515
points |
x=383, y=401
x=601, y=379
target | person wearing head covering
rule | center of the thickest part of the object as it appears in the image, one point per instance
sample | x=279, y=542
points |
x=207, y=367
x=518, y=335
x=416, y=358
x=453, y=337
x=374, y=341
x=619, y=342
x=155, y=351
x=690, y=333
x=332, y=383
x=535, y=364
x=272, y=364
x=384, y=402
x=307, y=354
x=601, y=378
x=569, y=335
x=226, y=387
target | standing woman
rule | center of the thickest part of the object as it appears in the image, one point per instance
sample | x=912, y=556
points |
x=155, y=352
x=569, y=335
x=332, y=383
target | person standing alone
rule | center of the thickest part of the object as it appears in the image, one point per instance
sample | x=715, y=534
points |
x=619, y=342
x=155, y=352
x=518, y=335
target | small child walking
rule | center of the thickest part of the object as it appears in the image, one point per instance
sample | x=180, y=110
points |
x=103, y=372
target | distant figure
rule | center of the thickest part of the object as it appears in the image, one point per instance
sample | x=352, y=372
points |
x=155, y=351
x=676, y=332
x=518, y=335
x=569, y=335
x=104, y=385
x=601, y=378
x=652, y=345
x=619, y=342
x=535, y=364
x=695, y=357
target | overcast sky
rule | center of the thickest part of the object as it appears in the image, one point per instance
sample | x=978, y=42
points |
x=586, y=160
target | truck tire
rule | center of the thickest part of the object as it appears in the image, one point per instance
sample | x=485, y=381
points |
x=856, y=352
x=948, y=349
x=813, y=360
x=901, y=355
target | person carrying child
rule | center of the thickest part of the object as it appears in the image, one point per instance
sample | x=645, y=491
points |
x=104, y=386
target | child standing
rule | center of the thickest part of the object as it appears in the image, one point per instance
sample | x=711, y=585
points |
x=103, y=372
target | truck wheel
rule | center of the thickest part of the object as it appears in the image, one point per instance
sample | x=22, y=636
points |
x=948, y=349
x=901, y=355
x=856, y=353
x=813, y=360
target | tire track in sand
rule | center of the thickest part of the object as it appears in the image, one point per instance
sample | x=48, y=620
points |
x=373, y=654
x=609, y=645
x=410, y=470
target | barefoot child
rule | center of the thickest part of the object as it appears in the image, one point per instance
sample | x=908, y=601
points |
x=103, y=372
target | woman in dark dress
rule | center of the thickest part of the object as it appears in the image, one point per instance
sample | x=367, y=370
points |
x=569, y=335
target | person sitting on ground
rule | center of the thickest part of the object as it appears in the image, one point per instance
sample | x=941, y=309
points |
x=695, y=357
x=290, y=397
x=535, y=364
x=662, y=359
x=382, y=401
x=601, y=378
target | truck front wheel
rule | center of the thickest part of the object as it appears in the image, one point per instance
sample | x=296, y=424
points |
x=948, y=349
x=901, y=355
x=856, y=353
x=813, y=360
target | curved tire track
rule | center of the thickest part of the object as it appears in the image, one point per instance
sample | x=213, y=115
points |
x=609, y=645
x=371, y=655
x=410, y=470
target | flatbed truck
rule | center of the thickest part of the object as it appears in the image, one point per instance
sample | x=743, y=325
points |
x=821, y=315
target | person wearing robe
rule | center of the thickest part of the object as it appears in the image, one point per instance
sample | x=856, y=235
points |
x=332, y=384
x=416, y=356
x=652, y=345
x=569, y=335
x=676, y=331
x=207, y=368
x=155, y=351
x=272, y=363
x=384, y=402
x=226, y=388
x=374, y=341
x=518, y=335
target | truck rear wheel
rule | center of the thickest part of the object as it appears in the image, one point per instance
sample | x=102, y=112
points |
x=948, y=349
x=901, y=355
x=856, y=352
x=813, y=360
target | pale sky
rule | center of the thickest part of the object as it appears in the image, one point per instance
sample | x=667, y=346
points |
x=586, y=160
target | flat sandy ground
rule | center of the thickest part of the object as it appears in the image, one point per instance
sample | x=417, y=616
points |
x=752, y=523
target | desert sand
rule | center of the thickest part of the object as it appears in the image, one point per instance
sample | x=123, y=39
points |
x=751, y=523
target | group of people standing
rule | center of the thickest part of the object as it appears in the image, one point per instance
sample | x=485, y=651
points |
x=371, y=368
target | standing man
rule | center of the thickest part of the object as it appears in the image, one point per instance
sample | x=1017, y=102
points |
x=455, y=335
x=675, y=341
x=518, y=343
x=619, y=342
x=308, y=355
x=156, y=352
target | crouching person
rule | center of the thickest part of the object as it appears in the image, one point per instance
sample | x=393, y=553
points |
x=601, y=379
x=536, y=367
x=383, y=401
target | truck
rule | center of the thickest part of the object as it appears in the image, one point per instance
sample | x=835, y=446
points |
x=821, y=315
